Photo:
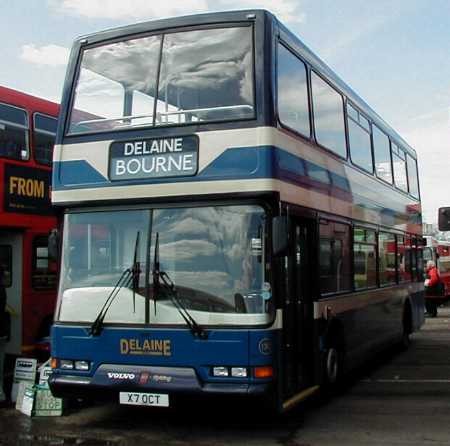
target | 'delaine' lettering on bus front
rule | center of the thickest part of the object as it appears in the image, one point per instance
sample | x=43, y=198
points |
x=151, y=347
x=154, y=158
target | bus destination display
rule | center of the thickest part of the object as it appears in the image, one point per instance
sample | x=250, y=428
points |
x=154, y=158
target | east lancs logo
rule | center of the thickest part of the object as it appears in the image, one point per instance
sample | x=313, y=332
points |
x=123, y=376
x=147, y=347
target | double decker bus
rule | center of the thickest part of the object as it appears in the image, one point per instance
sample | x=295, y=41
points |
x=237, y=221
x=27, y=134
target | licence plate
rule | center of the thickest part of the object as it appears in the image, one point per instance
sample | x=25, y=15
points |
x=144, y=399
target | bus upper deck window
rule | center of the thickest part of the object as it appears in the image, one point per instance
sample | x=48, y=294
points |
x=13, y=132
x=204, y=75
x=44, y=138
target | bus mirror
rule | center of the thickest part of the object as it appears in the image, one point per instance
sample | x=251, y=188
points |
x=53, y=245
x=279, y=236
x=444, y=219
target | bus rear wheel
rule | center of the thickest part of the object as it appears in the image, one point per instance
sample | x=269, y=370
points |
x=333, y=362
x=332, y=367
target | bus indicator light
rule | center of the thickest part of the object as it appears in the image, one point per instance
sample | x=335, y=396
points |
x=265, y=371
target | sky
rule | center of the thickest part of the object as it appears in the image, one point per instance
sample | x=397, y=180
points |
x=394, y=53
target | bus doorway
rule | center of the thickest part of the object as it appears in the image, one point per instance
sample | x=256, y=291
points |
x=298, y=311
x=11, y=264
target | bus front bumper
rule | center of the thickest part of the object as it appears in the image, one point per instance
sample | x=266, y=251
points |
x=109, y=381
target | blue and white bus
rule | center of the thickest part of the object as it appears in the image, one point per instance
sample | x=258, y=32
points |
x=237, y=221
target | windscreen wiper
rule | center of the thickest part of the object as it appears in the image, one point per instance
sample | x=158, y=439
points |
x=130, y=276
x=162, y=281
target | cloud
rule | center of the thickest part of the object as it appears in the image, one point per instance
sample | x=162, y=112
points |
x=52, y=55
x=131, y=9
x=354, y=34
x=286, y=10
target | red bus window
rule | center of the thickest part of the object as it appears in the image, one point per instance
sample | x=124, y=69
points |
x=6, y=265
x=13, y=133
x=43, y=275
x=44, y=138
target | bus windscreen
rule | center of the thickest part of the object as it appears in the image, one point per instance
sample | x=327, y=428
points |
x=167, y=79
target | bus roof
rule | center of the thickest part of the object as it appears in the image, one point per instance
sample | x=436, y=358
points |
x=34, y=103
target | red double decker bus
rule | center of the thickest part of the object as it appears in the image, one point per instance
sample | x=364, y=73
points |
x=27, y=133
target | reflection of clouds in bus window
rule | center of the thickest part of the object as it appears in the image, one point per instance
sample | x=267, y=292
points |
x=246, y=82
x=213, y=239
x=328, y=116
x=207, y=68
x=214, y=282
x=189, y=226
x=132, y=63
x=99, y=95
x=186, y=250
x=292, y=91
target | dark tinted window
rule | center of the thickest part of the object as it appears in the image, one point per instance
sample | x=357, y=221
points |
x=412, y=176
x=359, y=139
x=364, y=258
x=387, y=258
x=44, y=138
x=6, y=265
x=45, y=123
x=293, y=107
x=399, y=164
x=43, y=275
x=403, y=260
x=13, y=132
x=382, y=154
x=13, y=115
x=335, y=260
x=419, y=261
x=328, y=116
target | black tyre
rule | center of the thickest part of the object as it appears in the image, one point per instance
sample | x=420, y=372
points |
x=332, y=366
x=333, y=362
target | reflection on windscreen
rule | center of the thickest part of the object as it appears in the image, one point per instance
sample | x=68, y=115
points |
x=205, y=75
x=214, y=256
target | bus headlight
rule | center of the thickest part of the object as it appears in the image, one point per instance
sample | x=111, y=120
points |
x=66, y=364
x=82, y=365
x=220, y=371
x=239, y=372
